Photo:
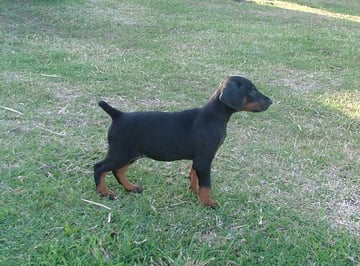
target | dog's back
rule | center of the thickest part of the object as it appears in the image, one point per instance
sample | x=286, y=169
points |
x=163, y=136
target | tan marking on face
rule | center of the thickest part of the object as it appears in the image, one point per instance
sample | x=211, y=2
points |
x=250, y=106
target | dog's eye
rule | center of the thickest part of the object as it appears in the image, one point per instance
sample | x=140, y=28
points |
x=253, y=93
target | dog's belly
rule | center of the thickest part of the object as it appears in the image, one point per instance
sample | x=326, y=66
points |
x=168, y=157
x=167, y=148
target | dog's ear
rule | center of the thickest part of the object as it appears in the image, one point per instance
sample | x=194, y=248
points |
x=231, y=94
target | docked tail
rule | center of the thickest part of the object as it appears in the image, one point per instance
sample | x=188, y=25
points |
x=114, y=113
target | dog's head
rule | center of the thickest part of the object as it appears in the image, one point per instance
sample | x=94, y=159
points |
x=240, y=94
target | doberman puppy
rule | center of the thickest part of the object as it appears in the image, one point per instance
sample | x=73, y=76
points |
x=194, y=134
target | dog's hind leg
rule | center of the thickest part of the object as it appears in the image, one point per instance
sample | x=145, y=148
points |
x=120, y=175
x=118, y=166
x=100, y=173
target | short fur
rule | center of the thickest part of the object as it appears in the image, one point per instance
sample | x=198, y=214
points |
x=194, y=134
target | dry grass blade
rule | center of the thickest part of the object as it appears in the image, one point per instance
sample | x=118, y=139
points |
x=11, y=110
x=97, y=204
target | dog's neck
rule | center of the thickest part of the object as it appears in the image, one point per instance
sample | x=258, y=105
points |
x=217, y=108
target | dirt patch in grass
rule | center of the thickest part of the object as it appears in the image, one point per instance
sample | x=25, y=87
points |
x=295, y=79
x=344, y=209
x=347, y=212
x=306, y=81
x=124, y=14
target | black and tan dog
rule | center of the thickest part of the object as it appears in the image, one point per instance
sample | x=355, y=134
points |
x=194, y=134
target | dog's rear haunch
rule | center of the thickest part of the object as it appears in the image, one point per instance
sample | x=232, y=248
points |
x=193, y=134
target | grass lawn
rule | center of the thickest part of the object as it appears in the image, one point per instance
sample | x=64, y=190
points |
x=287, y=180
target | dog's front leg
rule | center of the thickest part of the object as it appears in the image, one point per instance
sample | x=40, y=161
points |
x=203, y=170
x=194, y=181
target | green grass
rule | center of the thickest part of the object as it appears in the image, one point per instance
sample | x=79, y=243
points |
x=348, y=7
x=287, y=180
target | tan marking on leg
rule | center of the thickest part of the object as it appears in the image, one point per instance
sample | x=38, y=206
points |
x=204, y=196
x=194, y=181
x=121, y=177
x=101, y=188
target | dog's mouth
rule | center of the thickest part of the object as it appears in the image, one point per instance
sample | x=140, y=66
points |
x=261, y=106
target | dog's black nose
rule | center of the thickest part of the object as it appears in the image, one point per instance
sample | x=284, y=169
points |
x=268, y=100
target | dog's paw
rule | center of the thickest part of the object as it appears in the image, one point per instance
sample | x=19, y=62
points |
x=112, y=196
x=205, y=199
x=211, y=203
x=194, y=190
x=106, y=193
x=137, y=189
